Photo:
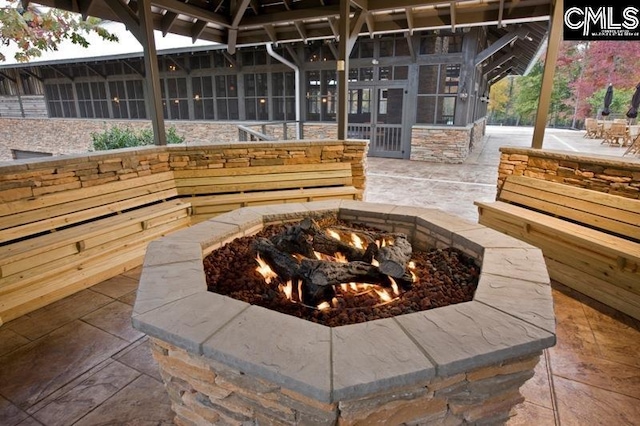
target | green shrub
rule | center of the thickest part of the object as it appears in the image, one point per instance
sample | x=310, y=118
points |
x=116, y=138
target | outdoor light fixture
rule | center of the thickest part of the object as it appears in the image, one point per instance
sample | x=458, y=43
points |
x=116, y=100
x=262, y=101
x=463, y=93
x=196, y=97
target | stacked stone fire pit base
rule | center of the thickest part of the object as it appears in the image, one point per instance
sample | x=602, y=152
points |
x=226, y=362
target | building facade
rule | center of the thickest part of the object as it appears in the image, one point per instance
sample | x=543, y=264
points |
x=419, y=97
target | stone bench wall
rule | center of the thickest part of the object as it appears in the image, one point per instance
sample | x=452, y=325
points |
x=445, y=144
x=24, y=179
x=618, y=176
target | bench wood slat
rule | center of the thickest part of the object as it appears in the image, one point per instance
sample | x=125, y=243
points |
x=46, y=271
x=261, y=170
x=57, y=198
x=35, y=246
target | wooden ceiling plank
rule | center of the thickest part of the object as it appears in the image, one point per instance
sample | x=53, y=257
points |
x=239, y=12
x=290, y=16
x=193, y=11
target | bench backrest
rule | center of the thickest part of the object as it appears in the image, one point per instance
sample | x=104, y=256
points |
x=609, y=213
x=43, y=213
x=262, y=178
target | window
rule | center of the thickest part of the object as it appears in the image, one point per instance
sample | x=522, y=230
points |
x=227, y=97
x=127, y=99
x=322, y=87
x=256, y=91
x=283, y=99
x=203, y=99
x=437, y=89
x=60, y=100
x=438, y=44
x=176, y=104
x=92, y=100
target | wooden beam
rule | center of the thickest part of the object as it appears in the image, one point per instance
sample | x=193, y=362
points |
x=95, y=71
x=132, y=68
x=334, y=50
x=239, y=12
x=333, y=24
x=271, y=32
x=287, y=4
x=7, y=76
x=197, y=29
x=218, y=6
x=452, y=12
x=411, y=43
x=293, y=53
x=300, y=27
x=370, y=24
x=193, y=11
x=127, y=16
x=343, y=69
x=231, y=59
x=500, y=14
x=361, y=4
x=255, y=5
x=232, y=40
x=167, y=21
x=32, y=74
x=62, y=73
x=553, y=46
x=290, y=16
x=355, y=26
x=520, y=32
x=154, y=94
x=409, y=12
x=82, y=7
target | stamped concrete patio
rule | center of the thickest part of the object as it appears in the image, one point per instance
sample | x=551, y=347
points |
x=79, y=361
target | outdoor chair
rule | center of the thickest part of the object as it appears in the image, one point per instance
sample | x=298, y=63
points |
x=616, y=133
x=634, y=138
x=591, y=126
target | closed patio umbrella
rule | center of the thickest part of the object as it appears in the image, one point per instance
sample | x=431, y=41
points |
x=608, y=98
x=635, y=103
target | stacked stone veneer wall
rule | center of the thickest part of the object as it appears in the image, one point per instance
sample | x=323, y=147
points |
x=619, y=176
x=205, y=392
x=445, y=144
x=24, y=179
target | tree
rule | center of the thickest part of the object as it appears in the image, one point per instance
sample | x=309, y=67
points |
x=35, y=29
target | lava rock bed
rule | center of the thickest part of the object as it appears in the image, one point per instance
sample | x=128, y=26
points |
x=445, y=277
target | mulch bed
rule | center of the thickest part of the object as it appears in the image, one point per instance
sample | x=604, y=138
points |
x=445, y=277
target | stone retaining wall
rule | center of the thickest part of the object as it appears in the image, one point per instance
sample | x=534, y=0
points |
x=445, y=144
x=613, y=175
x=204, y=392
x=24, y=179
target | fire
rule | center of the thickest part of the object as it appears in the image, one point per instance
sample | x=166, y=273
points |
x=383, y=295
x=340, y=258
x=333, y=234
x=287, y=289
x=412, y=266
x=374, y=262
x=394, y=287
x=357, y=241
x=324, y=306
x=265, y=270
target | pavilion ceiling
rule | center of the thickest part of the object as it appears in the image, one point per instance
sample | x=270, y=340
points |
x=237, y=23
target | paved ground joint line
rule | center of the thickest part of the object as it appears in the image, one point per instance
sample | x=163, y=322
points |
x=431, y=180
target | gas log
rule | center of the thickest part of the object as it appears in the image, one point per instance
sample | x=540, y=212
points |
x=291, y=255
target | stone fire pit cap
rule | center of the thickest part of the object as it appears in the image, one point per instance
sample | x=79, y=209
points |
x=510, y=316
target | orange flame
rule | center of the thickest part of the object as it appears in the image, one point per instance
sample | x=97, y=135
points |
x=324, y=306
x=394, y=287
x=357, y=241
x=412, y=266
x=265, y=270
x=287, y=289
x=384, y=296
x=333, y=234
x=339, y=257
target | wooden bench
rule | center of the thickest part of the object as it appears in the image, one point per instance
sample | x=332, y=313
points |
x=215, y=191
x=56, y=244
x=590, y=239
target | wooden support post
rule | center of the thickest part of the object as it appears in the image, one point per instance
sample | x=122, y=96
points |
x=154, y=95
x=553, y=45
x=343, y=68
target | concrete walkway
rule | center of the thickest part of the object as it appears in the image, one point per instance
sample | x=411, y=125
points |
x=79, y=362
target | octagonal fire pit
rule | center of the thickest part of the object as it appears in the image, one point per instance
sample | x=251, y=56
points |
x=226, y=361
